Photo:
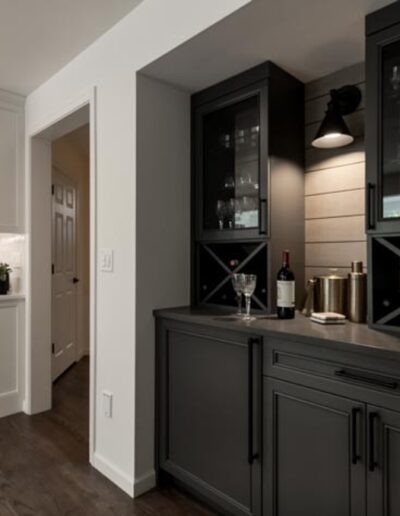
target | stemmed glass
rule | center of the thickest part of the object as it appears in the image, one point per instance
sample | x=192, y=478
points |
x=249, y=286
x=231, y=212
x=221, y=213
x=238, y=284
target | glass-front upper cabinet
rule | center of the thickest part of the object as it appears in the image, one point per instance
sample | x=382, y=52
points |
x=230, y=175
x=383, y=131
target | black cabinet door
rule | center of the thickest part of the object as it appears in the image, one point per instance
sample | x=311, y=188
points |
x=314, y=460
x=383, y=462
x=209, y=428
x=383, y=131
x=231, y=165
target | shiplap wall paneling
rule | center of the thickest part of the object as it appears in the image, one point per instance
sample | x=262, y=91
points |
x=334, y=183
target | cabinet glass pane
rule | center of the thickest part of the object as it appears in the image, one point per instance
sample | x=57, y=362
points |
x=231, y=167
x=390, y=180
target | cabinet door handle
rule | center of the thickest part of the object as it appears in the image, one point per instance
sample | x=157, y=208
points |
x=372, y=418
x=355, y=434
x=263, y=216
x=251, y=454
x=371, y=206
x=379, y=382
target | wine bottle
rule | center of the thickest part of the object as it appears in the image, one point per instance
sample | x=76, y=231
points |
x=285, y=290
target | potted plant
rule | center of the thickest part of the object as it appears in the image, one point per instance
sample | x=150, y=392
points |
x=5, y=270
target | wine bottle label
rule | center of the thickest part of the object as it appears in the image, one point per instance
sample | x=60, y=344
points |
x=286, y=294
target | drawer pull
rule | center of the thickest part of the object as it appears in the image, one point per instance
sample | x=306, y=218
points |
x=355, y=414
x=371, y=206
x=252, y=455
x=379, y=382
x=372, y=419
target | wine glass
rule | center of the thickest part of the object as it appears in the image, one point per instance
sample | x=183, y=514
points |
x=221, y=213
x=238, y=283
x=230, y=208
x=249, y=286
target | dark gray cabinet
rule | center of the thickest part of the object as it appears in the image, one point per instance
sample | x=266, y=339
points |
x=247, y=184
x=314, y=461
x=257, y=423
x=383, y=462
x=383, y=120
x=209, y=392
x=383, y=166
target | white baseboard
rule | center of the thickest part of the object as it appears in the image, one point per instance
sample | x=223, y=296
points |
x=10, y=403
x=144, y=483
x=114, y=474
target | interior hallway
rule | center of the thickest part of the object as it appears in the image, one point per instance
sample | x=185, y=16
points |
x=44, y=468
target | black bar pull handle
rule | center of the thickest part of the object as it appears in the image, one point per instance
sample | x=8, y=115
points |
x=263, y=214
x=251, y=454
x=355, y=435
x=357, y=377
x=371, y=206
x=372, y=418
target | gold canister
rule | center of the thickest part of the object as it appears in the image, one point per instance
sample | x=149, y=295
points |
x=357, y=300
x=331, y=293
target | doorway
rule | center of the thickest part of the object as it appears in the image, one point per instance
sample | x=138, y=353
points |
x=70, y=249
x=78, y=280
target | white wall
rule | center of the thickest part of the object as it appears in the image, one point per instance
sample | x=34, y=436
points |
x=162, y=237
x=11, y=162
x=70, y=159
x=151, y=30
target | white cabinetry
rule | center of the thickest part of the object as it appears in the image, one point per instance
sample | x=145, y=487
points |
x=12, y=313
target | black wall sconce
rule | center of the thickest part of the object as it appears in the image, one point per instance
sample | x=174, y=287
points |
x=333, y=131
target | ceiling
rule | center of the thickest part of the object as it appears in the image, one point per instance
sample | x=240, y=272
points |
x=39, y=37
x=309, y=38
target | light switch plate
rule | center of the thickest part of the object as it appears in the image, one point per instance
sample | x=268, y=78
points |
x=106, y=260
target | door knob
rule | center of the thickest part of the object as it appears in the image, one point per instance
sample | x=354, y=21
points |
x=75, y=280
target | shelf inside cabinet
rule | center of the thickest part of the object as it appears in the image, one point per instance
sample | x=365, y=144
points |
x=218, y=261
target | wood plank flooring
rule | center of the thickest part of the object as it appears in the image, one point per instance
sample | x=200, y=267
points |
x=44, y=468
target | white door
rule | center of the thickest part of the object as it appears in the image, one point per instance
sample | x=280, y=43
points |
x=64, y=274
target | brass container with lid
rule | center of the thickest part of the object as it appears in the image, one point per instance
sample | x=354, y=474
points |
x=331, y=293
x=357, y=293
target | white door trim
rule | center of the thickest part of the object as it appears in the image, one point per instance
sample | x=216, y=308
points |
x=88, y=98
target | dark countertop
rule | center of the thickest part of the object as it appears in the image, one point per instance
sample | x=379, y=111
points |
x=298, y=329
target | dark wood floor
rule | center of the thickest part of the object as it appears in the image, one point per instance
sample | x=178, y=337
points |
x=44, y=469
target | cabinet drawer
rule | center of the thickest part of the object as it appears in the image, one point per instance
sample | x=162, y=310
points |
x=293, y=361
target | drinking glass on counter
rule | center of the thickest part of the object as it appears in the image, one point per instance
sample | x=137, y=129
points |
x=238, y=284
x=249, y=286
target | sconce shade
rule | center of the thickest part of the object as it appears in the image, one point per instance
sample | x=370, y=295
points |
x=333, y=131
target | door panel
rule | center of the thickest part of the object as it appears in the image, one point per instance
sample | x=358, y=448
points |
x=383, y=462
x=310, y=438
x=383, y=131
x=205, y=430
x=63, y=287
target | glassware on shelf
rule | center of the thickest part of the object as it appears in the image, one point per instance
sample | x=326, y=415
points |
x=226, y=141
x=231, y=213
x=238, y=284
x=249, y=286
x=229, y=182
x=395, y=79
x=221, y=212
